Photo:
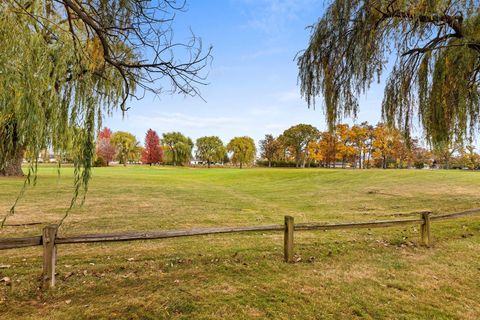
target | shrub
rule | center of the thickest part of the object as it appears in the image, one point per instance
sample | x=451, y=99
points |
x=100, y=162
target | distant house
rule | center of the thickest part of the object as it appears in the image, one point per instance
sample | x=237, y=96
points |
x=340, y=164
x=195, y=162
x=47, y=156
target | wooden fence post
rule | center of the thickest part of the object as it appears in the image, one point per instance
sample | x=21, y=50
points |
x=288, y=239
x=49, y=255
x=425, y=229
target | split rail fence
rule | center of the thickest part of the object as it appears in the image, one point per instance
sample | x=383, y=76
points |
x=50, y=238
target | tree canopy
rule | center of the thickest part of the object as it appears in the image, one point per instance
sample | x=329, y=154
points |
x=298, y=137
x=269, y=148
x=153, y=152
x=210, y=149
x=434, y=47
x=178, y=147
x=105, y=150
x=243, y=150
x=126, y=145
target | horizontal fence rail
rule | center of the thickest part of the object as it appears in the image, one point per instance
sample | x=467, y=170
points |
x=456, y=214
x=128, y=236
x=355, y=225
x=49, y=239
x=11, y=243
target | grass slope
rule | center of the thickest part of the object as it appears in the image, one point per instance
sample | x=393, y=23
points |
x=381, y=273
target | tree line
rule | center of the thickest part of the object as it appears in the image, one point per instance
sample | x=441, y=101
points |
x=173, y=148
x=359, y=146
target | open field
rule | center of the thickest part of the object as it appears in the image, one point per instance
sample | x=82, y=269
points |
x=381, y=273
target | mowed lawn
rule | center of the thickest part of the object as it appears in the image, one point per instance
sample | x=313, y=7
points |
x=372, y=274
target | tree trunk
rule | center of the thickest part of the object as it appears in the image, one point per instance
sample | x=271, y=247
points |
x=369, y=157
x=240, y=165
x=269, y=163
x=13, y=166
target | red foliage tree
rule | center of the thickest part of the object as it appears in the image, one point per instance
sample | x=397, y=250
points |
x=106, y=133
x=153, y=152
x=105, y=150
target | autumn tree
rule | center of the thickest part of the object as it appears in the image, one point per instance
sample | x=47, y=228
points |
x=368, y=145
x=152, y=152
x=298, y=137
x=316, y=152
x=210, y=149
x=389, y=146
x=126, y=146
x=269, y=148
x=105, y=133
x=178, y=147
x=105, y=149
x=346, y=150
x=243, y=150
x=359, y=139
x=421, y=157
x=435, y=50
x=469, y=158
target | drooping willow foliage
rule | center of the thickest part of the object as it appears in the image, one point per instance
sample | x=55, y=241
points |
x=178, y=147
x=433, y=45
x=64, y=64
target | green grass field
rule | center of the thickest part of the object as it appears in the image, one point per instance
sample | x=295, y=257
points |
x=372, y=274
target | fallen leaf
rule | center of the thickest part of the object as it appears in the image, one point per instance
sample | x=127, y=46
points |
x=67, y=275
x=7, y=281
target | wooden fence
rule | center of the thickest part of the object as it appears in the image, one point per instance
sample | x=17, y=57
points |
x=50, y=238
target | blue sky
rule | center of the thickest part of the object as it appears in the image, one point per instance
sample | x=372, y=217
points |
x=252, y=79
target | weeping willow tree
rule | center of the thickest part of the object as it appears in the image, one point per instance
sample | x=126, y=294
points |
x=64, y=64
x=431, y=49
x=178, y=147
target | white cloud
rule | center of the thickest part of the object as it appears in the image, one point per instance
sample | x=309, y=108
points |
x=270, y=16
x=175, y=120
x=262, y=53
x=275, y=126
x=289, y=95
x=262, y=111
